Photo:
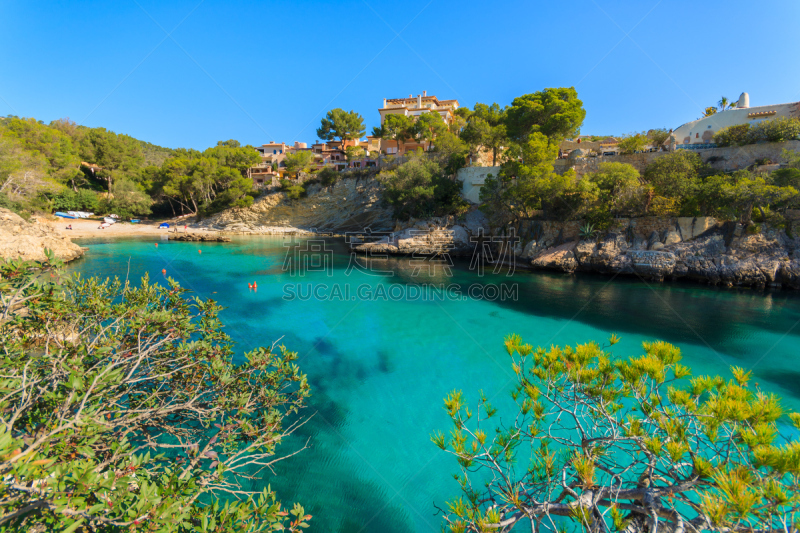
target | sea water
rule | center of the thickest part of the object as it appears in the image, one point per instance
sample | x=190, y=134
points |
x=381, y=353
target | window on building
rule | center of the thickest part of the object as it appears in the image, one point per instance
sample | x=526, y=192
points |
x=274, y=151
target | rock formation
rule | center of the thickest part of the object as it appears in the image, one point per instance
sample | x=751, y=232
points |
x=766, y=259
x=433, y=236
x=351, y=204
x=25, y=240
x=697, y=249
x=198, y=237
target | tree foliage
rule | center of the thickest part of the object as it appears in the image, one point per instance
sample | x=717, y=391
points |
x=123, y=409
x=342, y=125
x=486, y=129
x=620, y=189
x=39, y=161
x=420, y=188
x=634, y=445
x=428, y=126
x=658, y=137
x=399, y=128
x=675, y=174
x=635, y=142
x=298, y=161
x=354, y=153
x=555, y=113
x=127, y=199
x=778, y=129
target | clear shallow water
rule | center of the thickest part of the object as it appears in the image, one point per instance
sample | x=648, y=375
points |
x=379, y=369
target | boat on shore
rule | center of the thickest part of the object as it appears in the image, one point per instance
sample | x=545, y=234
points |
x=64, y=215
x=109, y=220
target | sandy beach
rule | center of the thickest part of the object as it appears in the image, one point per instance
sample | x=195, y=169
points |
x=82, y=227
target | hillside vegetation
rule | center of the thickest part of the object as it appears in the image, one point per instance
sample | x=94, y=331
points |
x=64, y=166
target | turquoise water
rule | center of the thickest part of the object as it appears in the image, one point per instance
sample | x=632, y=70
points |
x=379, y=369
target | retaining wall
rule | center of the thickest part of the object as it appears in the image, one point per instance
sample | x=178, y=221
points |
x=725, y=159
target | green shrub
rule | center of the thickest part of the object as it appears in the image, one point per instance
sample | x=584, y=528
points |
x=587, y=231
x=732, y=136
x=778, y=129
x=146, y=420
x=418, y=188
x=294, y=192
x=82, y=200
x=328, y=176
x=787, y=177
x=11, y=205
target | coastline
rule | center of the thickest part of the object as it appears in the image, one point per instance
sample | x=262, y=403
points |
x=82, y=228
x=87, y=228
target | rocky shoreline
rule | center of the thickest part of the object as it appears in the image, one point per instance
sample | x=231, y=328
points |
x=768, y=259
x=198, y=237
x=20, y=239
x=700, y=250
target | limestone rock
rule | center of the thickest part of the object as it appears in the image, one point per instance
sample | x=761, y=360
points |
x=198, y=237
x=672, y=238
x=24, y=240
x=475, y=221
x=558, y=258
x=652, y=239
x=692, y=227
x=766, y=259
x=652, y=265
x=428, y=237
x=351, y=204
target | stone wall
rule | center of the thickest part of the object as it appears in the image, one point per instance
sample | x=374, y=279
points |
x=738, y=157
x=725, y=159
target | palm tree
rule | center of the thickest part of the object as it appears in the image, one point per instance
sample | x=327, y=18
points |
x=724, y=103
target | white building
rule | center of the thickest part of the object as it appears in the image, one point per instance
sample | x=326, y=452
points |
x=699, y=134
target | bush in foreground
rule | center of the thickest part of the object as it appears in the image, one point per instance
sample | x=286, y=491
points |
x=122, y=409
x=633, y=445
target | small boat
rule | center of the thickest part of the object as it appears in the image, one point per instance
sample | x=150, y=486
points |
x=134, y=221
x=163, y=225
x=109, y=220
x=64, y=215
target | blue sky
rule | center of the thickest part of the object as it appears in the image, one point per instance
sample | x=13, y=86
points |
x=187, y=74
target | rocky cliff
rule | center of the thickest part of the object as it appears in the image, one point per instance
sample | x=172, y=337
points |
x=352, y=204
x=25, y=240
x=698, y=249
x=719, y=256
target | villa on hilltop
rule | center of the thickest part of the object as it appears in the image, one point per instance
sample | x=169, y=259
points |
x=413, y=107
x=332, y=153
x=326, y=154
x=699, y=134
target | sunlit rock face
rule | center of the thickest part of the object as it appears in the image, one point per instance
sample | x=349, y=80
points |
x=24, y=240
